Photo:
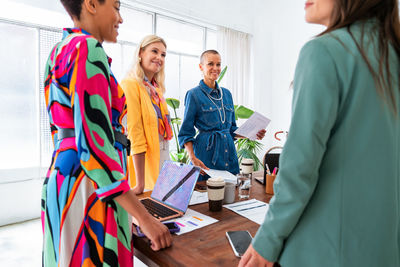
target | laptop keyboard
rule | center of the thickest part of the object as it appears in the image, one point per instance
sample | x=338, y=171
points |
x=156, y=209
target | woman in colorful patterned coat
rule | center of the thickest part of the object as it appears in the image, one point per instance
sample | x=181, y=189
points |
x=86, y=197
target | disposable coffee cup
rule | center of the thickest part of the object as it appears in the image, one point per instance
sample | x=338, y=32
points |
x=247, y=165
x=216, y=190
x=229, y=195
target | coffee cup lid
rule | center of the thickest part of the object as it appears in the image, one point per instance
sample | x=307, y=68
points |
x=216, y=181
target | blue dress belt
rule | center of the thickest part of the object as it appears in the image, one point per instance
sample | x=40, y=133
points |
x=119, y=137
x=214, y=140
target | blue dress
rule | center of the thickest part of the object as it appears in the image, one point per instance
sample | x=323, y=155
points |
x=215, y=122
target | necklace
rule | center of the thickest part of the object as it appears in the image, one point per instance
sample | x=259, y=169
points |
x=218, y=108
x=216, y=98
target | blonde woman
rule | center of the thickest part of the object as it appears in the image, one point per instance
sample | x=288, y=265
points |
x=149, y=126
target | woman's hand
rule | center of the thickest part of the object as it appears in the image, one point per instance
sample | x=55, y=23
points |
x=157, y=232
x=261, y=134
x=197, y=162
x=138, y=189
x=252, y=259
x=194, y=159
x=238, y=136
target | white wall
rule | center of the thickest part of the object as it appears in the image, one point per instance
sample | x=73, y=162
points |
x=279, y=33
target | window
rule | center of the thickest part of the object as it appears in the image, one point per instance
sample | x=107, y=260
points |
x=172, y=76
x=115, y=52
x=136, y=24
x=25, y=137
x=128, y=51
x=18, y=90
x=48, y=38
x=190, y=74
x=211, y=39
x=181, y=37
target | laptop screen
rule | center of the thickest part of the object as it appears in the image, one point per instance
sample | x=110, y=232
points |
x=175, y=184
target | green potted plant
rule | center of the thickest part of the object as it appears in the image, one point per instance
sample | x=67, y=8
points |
x=180, y=155
x=245, y=147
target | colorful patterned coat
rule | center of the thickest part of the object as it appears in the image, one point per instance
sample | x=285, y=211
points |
x=82, y=224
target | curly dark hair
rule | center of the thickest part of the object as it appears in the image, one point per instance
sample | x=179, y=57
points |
x=74, y=7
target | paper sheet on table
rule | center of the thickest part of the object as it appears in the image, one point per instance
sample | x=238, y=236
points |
x=198, y=197
x=228, y=177
x=252, y=209
x=253, y=125
x=192, y=220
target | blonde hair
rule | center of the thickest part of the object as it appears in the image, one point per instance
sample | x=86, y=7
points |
x=137, y=72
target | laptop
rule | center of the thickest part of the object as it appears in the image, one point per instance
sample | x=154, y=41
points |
x=172, y=191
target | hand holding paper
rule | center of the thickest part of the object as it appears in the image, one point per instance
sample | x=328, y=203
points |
x=227, y=176
x=253, y=126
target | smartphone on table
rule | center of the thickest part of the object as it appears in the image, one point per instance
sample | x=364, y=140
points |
x=240, y=241
x=172, y=227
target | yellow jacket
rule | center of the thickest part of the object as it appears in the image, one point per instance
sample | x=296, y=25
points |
x=142, y=131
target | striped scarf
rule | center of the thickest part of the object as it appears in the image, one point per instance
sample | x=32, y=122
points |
x=160, y=106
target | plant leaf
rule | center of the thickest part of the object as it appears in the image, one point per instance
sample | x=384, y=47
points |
x=243, y=113
x=222, y=74
x=247, y=148
x=173, y=103
x=176, y=120
x=173, y=157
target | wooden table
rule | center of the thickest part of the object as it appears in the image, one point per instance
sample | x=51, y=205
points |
x=207, y=246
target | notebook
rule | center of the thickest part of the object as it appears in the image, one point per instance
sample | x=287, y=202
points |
x=172, y=191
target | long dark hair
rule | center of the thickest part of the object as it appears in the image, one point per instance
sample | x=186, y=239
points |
x=386, y=12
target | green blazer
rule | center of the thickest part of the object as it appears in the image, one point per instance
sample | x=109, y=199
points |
x=337, y=199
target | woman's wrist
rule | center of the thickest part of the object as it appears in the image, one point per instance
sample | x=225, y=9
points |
x=192, y=157
x=143, y=218
x=138, y=189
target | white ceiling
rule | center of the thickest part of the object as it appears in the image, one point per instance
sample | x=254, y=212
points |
x=236, y=14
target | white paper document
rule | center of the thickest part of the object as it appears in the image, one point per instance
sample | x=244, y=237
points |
x=253, y=125
x=192, y=220
x=198, y=197
x=252, y=209
x=227, y=176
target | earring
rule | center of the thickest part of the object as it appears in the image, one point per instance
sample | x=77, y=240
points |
x=140, y=59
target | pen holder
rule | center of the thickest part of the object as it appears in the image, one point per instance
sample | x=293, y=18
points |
x=269, y=186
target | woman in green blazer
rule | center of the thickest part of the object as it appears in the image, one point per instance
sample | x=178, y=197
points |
x=337, y=200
